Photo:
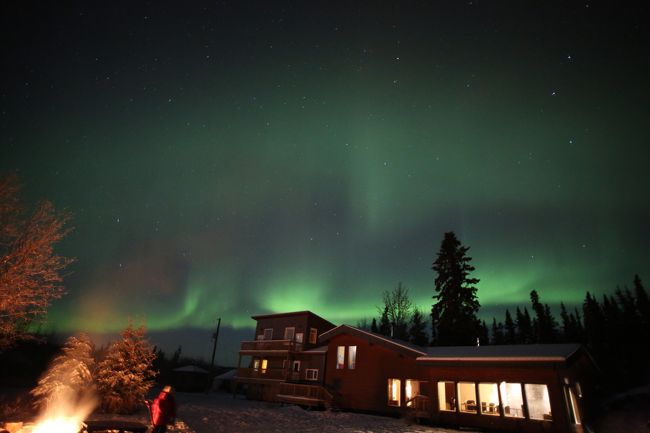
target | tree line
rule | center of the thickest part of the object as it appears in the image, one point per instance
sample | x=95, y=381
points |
x=615, y=329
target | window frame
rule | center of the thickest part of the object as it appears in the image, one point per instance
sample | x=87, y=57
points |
x=352, y=358
x=293, y=333
x=391, y=389
x=340, y=357
x=454, y=397
x=313, y=335
x=269, y=333
x=314, y=372
x=527, y=405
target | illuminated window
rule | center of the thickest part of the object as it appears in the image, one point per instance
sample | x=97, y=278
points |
x=488, y=394
x=394, y=389
x=340, y=357
x=539, y=405
x=513, y=401
x=446, y=396
x=289, y=332
x=352, y=357
x=313, y=335
x=268, y=334
x=265, y=363
x=311, y=374
x=411, y=389
x=467, y=397
x=256, y=364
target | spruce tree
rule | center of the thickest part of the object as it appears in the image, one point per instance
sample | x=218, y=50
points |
x=126, y=374
x=454, y=314
x=384, y=323
x=510, y=335
x=497, y=332
x=417, y=331
x=373, y=327
x=70, y=375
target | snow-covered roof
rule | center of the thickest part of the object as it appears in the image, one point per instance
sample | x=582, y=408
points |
x=500, y=353
x=388, y=342
x=228, y=374
x=191, y=369
x=319, y=349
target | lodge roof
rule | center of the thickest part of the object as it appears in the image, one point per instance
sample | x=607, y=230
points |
x=292, y=313
x=502, y=353
x=390, y=343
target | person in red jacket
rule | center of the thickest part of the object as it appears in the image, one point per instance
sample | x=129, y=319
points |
x=163, y=410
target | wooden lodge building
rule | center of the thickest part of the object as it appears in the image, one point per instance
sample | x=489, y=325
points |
x=303, y=359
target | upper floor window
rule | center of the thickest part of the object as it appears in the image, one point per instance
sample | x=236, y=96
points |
x=268, y=334
x=352, y=357
x=299, y=337
x=313, y=335
x=340, y=357
x=289, y=332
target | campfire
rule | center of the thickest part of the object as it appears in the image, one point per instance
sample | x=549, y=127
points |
x=64, y=414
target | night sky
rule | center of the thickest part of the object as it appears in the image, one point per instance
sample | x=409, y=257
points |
x=225, y=159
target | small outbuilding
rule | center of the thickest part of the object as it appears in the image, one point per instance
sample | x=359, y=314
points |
x=191, y=378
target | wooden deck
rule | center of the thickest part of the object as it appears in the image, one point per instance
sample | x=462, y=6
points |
x=304, y=395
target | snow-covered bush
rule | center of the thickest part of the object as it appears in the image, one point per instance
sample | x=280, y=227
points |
x=126, y=374
x=70, y=375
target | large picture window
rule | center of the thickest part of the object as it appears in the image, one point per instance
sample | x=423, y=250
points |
x=394, y=391
x=352, y=357
x=467, y=397
x=513, y=401
x=488, y=394
x=446, y=396
x=539, y=405
x=340, y=357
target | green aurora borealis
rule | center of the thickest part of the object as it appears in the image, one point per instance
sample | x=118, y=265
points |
x=234, y=159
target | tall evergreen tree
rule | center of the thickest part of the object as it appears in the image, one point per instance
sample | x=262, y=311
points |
x=373, y=326
x=524, y=327
x=454, y=314
x=497, y=332
x=544, y=325
x=510, y=334
x=126, y=374
x=384, y=323
x=417, y=331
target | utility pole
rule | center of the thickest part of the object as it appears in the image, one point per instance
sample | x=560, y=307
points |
x=215, y=337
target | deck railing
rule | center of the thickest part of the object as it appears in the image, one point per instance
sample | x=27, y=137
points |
x=266, y=345
x=420, y=403
x=258, y=373
x=309, y=391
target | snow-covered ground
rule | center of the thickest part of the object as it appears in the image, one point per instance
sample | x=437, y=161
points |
x=220, y=412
